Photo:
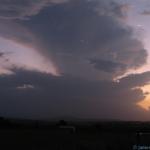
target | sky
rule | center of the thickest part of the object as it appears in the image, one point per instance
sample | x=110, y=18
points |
x=85, y=59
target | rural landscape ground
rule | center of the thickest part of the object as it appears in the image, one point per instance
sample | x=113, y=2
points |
x=34, y=135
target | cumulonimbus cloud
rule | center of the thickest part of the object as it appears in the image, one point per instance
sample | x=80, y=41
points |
x=16, y=9
x=74, y=33
x=86, y=39
x=53, y=96
x=80, y=33
x=145, y=12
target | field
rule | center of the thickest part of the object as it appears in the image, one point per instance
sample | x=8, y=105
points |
x=102, y=136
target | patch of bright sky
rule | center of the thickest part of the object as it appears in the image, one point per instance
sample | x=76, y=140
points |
x=145, y=104
x=16, y=55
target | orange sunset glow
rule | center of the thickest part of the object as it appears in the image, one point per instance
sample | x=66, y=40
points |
x=145, y=104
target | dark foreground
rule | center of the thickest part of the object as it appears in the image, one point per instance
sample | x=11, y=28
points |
x=100, y=136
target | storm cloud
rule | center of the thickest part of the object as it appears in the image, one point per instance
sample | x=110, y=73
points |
x=76, y=30
x=44, y=96
x=88, y=44
x=16, y=9
x=145, y=12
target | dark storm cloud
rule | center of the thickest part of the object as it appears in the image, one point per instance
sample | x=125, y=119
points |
x=77, y=30
x=2, y=54
x=135, y=80
x=146, y=12
x=69, y=96
x=120, y=10
x=108, y=66
x=85, y=39
x=16, y=9
x=113, y=8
